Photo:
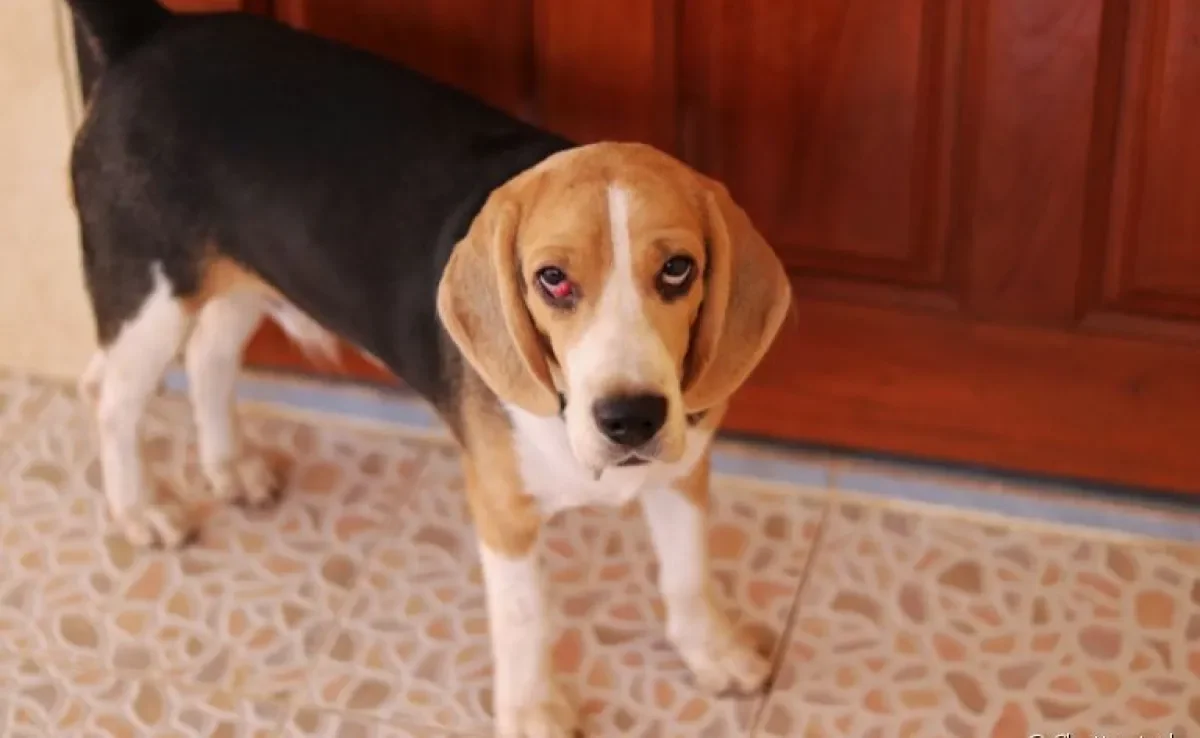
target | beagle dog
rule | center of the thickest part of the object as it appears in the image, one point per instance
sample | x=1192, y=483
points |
x=578, y=315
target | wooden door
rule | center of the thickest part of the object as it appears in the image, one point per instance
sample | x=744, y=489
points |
x=990, y=210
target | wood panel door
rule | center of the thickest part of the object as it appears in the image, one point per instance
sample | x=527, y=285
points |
x=990, y=210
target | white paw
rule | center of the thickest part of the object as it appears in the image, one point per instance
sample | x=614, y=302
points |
x=248, y=481
x=548, y=717
x=722, y=662
x=160, y=526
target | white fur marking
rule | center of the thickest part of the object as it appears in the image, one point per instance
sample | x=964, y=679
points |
x=526, y=701
x=559, y=481
x=618, y=310
x=131, y=369
x=619, y=351
x=701, y=632
x=622, y=292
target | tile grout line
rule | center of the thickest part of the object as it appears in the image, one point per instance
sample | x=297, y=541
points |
x=785, y=636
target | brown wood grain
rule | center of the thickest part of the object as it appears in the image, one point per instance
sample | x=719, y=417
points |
x=1152, y=254
x=482, y=46
x=1119, y=410
x=199, y=6
x=606, y=71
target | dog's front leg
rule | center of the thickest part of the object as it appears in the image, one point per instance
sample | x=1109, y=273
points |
x=700, y=631
x=526, y=701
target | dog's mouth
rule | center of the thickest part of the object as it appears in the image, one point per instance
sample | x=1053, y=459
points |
x=629, y=461
x=632, y=461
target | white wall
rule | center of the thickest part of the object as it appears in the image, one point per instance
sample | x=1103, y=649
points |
x=45, y=322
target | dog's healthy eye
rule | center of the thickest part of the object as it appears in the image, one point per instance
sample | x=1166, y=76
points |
x=676, y=276
x=555, y=284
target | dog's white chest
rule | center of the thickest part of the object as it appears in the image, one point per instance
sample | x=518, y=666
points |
x=558, y=482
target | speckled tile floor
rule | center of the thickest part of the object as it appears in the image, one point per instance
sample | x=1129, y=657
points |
x=356, y=608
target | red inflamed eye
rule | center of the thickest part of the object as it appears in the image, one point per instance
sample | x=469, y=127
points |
x=555, y=284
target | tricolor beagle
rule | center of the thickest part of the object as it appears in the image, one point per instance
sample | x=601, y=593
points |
x=578, y=315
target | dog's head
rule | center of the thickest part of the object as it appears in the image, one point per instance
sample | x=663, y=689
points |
x=616, y=278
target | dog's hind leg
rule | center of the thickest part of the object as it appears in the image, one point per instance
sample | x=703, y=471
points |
x=126, y=376
x=89, y=381
x=214, y=356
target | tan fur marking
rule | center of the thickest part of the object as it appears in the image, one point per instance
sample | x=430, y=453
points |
x=481, y=308
x=749, y=295
x=557, y=214
x=221, y=275
x=695, y=486
x=507, y=520
x=568, y=226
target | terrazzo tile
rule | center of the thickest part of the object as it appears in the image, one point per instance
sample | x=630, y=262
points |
x=43, y=699
x=921, y=625
x=414, y=643
x=307, y=722
x=356, y=608
x=24, y=403
x=243, y=605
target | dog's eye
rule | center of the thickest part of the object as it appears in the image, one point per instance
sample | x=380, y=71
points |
x=676, y=276
x=555, y=284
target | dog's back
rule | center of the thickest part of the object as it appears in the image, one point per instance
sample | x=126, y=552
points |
x=325, y=170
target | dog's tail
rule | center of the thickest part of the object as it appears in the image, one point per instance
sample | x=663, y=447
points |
x=116, y=27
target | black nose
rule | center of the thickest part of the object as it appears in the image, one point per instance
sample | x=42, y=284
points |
x=630, y=420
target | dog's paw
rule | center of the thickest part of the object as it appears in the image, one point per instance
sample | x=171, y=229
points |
x=249, y=481
x=735, y=668
x=721, y=661
x=548, y=717
x=156, y=526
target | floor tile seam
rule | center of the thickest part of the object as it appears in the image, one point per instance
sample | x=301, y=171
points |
x=785, y=636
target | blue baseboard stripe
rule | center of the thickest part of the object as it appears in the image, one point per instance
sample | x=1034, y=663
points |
x=925, y=484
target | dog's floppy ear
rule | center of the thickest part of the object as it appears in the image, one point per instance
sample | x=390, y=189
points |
x=747, y=295
x=480, y=303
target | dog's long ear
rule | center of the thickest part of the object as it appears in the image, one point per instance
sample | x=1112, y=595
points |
x=747, y=295
x=481, y=305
